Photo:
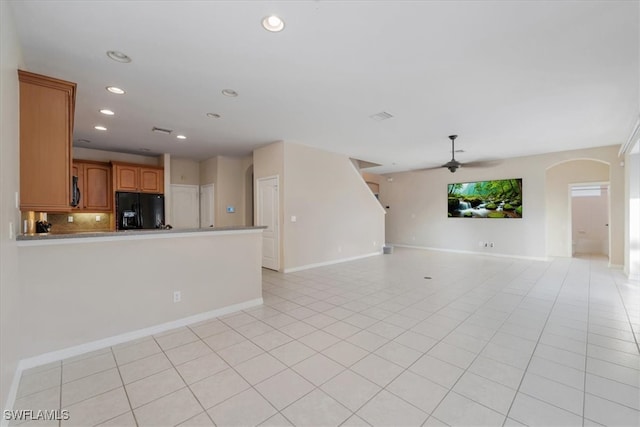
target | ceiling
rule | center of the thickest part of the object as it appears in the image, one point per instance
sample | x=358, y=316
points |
x=512, y=78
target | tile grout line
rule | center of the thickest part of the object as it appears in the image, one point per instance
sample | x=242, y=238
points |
x=538, y=342
x=586, y=350
x=126, y=393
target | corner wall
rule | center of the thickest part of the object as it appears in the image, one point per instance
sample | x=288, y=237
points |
x=228, y=174
x=417, y=214
x=337, y=215
x=10, y=301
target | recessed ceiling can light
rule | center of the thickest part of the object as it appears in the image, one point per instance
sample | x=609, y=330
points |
x=229, y=92
x=98, y=127
x=116, y=90
x=118, y=56
x=107, y=112
x=181, y=137
x=273, y=23
x=213, y=115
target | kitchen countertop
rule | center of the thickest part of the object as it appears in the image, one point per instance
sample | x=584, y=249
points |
x=94, y=236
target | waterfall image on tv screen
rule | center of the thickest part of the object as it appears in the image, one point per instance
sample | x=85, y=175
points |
x=500, y=198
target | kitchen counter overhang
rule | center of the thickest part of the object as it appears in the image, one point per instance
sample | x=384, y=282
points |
x=105, y=236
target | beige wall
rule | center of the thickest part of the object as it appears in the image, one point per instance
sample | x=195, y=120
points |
x=417, y=207
x=107, y=156
x=82, y=292
x=185, y=171
x=337, y=216
x=10, y=301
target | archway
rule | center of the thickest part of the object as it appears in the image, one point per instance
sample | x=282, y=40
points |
x=558, y=181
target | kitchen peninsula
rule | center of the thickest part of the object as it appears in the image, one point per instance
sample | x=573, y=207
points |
x=91, y=290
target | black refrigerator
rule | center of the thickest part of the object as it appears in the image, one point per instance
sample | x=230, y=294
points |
x=139, y=210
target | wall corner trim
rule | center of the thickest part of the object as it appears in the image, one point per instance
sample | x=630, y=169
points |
x=335, y=261
x=531, y=258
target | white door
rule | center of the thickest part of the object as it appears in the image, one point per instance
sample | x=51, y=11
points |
x=206, y=206
x=185, y=206
x=268, y=214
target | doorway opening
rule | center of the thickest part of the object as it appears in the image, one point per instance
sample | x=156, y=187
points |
x=590, y=219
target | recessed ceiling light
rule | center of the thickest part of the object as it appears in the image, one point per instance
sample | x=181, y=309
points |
x=116, y=90
x=98, y=127
x=229, y=92
x=181, y=137
x=213, y=115
x=273, y=23
x=107, y=112
x=118, y=56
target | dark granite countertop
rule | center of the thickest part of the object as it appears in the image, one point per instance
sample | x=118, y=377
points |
x=86, y=234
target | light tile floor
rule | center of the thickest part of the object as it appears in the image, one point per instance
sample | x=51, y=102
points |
x=482, y=341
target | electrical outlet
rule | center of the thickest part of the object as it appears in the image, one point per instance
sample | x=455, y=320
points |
x=70, y=218
x=177, y=296
x=486, y=245
x=97, y=218
x=491, y=244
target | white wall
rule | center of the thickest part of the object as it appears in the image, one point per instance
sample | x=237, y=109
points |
x=85, y=291
x=10, y=302
x=589, y=216
x=632, y=207
x=269, y=161
x=417, y=213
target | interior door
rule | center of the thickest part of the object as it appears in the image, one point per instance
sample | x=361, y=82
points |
x=185, y=206
x=206, y=206
x=268, y=214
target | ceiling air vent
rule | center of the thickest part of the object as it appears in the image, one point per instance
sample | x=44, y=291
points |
x=160, y=130
x=383, y=115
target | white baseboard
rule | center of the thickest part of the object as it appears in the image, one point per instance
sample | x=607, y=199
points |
x=11, y=396
x=336, y=261
x=129, y=336
x=531, y=258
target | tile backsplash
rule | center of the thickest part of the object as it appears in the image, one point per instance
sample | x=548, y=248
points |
x=82, y=222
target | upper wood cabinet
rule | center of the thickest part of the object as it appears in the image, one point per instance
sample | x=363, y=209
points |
x=94, y=183
x=46, y=131
x=138, y=178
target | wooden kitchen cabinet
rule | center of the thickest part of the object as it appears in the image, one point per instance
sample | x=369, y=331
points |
x=138, y=178
x=151, y=180
x=94, y=183
x=46, y=131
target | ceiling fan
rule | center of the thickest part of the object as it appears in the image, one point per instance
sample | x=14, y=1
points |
x=453, y=164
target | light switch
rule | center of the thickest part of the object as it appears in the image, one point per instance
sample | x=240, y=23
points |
x=293, y=218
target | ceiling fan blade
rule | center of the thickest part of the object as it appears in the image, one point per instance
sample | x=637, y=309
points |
x=481, y=164
x=428, y=169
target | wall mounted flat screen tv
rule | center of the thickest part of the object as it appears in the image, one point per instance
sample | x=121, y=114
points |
x=500, y=198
